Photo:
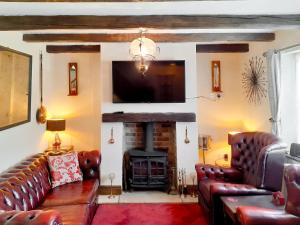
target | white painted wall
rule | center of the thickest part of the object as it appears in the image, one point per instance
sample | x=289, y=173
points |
x=217, y=118
x=18, y=142
x=232, y=111
x=187, y=154
x=82, y=112
x=120, y=51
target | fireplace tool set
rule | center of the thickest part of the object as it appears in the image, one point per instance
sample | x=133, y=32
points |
x=183, y=190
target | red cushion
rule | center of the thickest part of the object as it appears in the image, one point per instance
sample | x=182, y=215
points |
x=72, y=214
x=64, y=169
x=83, y=192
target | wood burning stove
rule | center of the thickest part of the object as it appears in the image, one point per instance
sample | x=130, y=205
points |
x=145, y=168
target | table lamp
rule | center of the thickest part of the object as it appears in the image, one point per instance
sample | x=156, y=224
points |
x=56, y=125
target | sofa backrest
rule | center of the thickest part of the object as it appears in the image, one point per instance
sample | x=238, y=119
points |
x=24, y=186
x=260, y=157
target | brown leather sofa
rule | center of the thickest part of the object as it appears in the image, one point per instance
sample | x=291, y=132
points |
x=256, y=168
x=290, y=216
x=26, y=196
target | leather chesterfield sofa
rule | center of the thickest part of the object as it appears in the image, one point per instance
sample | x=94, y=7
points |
x=256, y=168
x=290, y=216
x=26, y=196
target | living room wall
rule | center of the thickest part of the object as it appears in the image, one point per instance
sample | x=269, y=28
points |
x=82, y=112
x=232, y=111
x=112, y=153
x=18, y=142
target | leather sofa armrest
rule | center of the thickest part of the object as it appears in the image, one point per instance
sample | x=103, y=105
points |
x=89, y=162
x=222, y=189
x=227, y=189
x=217, y=173
x=33, y=217
x=249, y=215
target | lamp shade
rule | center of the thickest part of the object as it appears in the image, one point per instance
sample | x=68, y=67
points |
x=56, y=125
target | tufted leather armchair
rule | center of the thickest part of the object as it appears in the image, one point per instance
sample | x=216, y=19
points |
x=26, y=195
x=290, y=216
x=256, y=157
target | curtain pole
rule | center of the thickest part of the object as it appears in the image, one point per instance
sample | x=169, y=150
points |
x=283, y=49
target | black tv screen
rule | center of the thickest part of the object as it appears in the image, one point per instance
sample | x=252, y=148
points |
x=164, y=82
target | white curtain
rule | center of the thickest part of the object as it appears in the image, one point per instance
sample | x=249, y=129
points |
x=274, y=92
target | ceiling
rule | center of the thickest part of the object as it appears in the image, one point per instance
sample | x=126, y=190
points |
x=18, y=12
x=238, y=7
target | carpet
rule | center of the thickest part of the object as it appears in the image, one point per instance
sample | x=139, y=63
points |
x=150, y=214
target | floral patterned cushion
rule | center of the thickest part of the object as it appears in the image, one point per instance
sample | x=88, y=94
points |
x=64, y=169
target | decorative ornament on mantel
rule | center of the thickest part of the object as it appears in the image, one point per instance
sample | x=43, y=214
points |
x=254, y=81
x=143, y=50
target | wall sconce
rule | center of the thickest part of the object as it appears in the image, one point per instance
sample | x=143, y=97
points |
x=56, y=125
x=111, y=140
x=186, y=140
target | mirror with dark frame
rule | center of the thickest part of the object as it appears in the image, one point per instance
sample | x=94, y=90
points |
x=73, y=83
x=15, y=88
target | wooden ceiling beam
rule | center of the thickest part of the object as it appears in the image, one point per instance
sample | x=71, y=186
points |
x=108, y=0
x=152, y=21
x=73, y=48
x=163, y=37
x=222, y=48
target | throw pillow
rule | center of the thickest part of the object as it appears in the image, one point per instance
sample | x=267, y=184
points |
x=64, y=169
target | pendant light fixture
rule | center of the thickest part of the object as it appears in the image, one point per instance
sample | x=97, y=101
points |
x=143, y=50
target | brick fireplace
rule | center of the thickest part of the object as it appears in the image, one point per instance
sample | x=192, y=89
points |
x=150, y=153
x=164, y=138
x=169, y=131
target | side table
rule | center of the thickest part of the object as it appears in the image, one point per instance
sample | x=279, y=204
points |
x=230, y=204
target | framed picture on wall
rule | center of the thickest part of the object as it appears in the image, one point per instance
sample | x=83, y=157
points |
x=216, y=76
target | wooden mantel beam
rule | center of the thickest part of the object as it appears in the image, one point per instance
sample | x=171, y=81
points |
x=151, y=21
x=163, y=37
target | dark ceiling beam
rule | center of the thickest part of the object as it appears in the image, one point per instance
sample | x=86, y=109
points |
x=109, y=0
x=152, y=21
x=163, y=37
x=222, y=48
x=73, y=48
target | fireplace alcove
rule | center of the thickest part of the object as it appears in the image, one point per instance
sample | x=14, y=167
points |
x=150, y=162
x=145, y=167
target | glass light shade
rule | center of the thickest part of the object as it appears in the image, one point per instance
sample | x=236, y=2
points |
x=142, y=65
x=143, y=48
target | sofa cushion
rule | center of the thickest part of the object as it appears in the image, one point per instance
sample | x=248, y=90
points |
x=72, y=214
x=204, y=188
x=74, y=193
x=64, y=169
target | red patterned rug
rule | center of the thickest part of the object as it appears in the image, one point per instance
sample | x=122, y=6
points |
x=150, y=214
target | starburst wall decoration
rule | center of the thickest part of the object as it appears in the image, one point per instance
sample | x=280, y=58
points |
x=254, y=81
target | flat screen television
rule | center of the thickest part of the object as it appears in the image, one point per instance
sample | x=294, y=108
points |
x=164, y=82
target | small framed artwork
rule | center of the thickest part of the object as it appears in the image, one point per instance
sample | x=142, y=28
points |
x=216, y=76
x=73, y=79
